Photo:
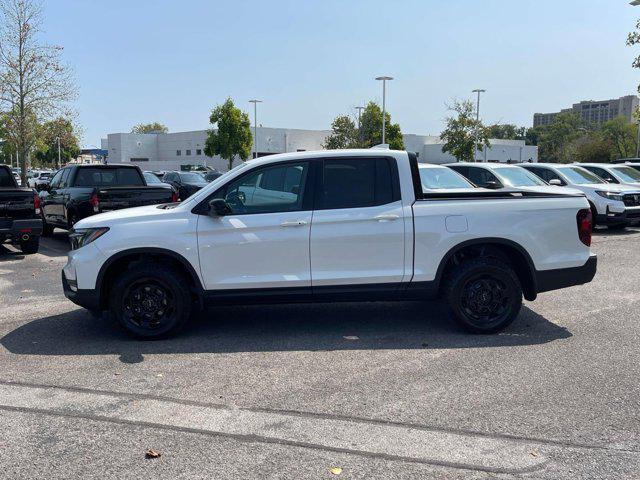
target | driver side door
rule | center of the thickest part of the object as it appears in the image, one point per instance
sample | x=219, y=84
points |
x=264, y=241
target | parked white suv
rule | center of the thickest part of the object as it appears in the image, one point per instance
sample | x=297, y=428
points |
x=500, y=175
x=329, y=226
x=615, y=206
x=616, y=174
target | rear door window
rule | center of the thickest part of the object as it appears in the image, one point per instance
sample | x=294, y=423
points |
x=358, y=182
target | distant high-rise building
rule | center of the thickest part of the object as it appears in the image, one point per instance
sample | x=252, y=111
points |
x=595, y=112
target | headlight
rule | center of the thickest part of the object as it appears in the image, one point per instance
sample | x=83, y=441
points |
x=610, y=195
x=84, y=236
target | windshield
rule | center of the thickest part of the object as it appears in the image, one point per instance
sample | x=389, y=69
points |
x=579, y=175
x=627, y=174
x=517, y=177
x=96, y=177
x=151, y=178
x=191, y=177
x=6, y=178
x=440, y=178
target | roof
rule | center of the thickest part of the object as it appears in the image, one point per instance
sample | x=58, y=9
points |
x=487, y=165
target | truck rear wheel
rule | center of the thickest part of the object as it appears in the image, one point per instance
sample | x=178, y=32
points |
x=31, y=246
x=484, y=294
x=150, y=301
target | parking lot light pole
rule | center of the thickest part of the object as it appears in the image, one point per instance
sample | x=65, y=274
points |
x=255, y=126
x=58, y=140
x=359, y=122
x=384, y=98
x=475, y=150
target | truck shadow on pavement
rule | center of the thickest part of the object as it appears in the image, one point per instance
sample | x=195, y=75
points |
x=302, y=327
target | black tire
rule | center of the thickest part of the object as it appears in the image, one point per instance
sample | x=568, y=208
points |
x=594, y=214
x=484, y=294
x=150, y=301
x=72, y=219
x=31, y=246
x=47, y=230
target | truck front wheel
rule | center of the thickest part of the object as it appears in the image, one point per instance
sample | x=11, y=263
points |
x=150, y=301
x=484, y=294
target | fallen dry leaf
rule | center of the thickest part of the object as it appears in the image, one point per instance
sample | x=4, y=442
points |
x=534, y=453
x=151, y=453
x=336, y=470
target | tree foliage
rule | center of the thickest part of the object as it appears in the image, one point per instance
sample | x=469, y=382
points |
x=233, y=133
x=153, y=127
x=556, y=142
x=459, y=135
x=47, y=146
x=345, y=133
x=506, y=131
x=35, y=85
x=592, y=148
x=621, y=136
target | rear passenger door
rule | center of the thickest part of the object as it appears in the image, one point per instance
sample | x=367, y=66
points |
x=358, y=229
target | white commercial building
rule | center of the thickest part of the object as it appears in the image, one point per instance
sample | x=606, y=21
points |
x=174, y=151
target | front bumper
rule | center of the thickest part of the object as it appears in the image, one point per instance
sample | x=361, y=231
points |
x=547, y=280
x=628, y=216
x=31, y=228
x=89, y=299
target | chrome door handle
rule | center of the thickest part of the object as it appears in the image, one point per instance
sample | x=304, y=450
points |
x=294, y=223
x=387, y=217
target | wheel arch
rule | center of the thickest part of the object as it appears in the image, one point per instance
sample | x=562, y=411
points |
x=509, y=250
x=122, y=259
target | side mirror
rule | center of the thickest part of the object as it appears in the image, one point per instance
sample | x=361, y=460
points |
x=491, y=184
x=218, y=207
x=556, y=182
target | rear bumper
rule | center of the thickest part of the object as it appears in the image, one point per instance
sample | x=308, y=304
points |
x=31, y=228
x=547, y=280
x=89, y=299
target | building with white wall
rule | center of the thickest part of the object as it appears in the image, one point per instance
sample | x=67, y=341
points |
x=174, y=151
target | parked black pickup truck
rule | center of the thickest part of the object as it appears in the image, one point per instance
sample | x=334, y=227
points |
x=20, y=221
x=79, y=191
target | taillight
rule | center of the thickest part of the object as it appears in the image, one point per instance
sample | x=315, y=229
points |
x=36, y=203
x=174, y=197
x=93, y=201
x=585, y=226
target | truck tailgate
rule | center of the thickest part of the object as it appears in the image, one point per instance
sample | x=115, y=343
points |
x=15, y=204
x=115, y=198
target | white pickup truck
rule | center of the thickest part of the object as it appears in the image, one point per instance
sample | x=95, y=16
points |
x=355, y=225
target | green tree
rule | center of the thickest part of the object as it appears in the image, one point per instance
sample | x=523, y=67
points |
x=592, y=148
x=35, y=84
x=153, y=127
x=506, y=131
x=47, y=150
x=556, y=142
x=621, y=136
x=634, y=39
x=344, y=134
x=459, y=135
x=371, y=128
x=233, y=133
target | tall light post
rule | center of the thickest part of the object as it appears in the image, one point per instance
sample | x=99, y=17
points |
x=255, y=126
x=475, y=150
x=384, y=98
x=359, y=122
x=58, y=140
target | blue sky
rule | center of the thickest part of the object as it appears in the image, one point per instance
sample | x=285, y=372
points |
x=310, y=60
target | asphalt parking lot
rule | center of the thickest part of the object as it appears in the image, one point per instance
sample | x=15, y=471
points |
x=368, y=390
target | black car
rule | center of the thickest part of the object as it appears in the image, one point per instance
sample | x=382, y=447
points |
x=185, y=183
x=20, y=221
x=211, y=175
x=78, y=191
x=154, y=181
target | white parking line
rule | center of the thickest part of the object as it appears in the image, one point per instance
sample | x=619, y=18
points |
x=372, y=438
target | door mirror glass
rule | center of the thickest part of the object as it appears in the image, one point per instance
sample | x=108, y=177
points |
x=556, y=182
x=218, y=207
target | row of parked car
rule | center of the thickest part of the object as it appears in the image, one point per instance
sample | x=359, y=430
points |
x=62, y=198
